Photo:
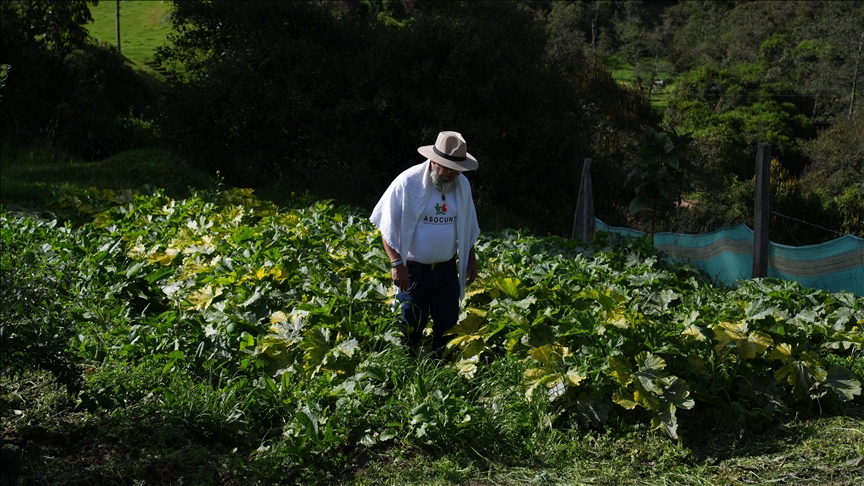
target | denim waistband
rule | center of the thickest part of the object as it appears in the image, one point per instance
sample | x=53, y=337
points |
x=430, y=266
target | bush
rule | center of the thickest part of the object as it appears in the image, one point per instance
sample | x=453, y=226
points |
x=37, y=325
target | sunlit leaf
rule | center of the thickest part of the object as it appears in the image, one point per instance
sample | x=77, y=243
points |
x=754, y=344
x=623, y=399
x=574, y=377
x=510, y=286
x=620, y=368
x=782, y=351
x=203, y=297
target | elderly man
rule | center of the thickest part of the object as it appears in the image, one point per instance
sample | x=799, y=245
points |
x=428, y=227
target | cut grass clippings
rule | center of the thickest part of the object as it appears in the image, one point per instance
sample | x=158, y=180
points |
x=147, y=444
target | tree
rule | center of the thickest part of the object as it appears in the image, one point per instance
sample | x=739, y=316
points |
x=563, y=30
x=660, y=175
x=836, y=39
x=57, y=26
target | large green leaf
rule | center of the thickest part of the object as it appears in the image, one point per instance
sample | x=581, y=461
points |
x=803, y=374
x=844, y=383
x=639, y=204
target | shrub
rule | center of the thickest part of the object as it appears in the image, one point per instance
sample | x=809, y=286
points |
x=37, y=324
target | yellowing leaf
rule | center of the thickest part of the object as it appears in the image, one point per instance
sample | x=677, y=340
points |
x=473, y=348
x=202, y=298
x=535, y=377
x=163, y=258
x=737, y=330
x=550, y=355
x=646, y=399
x=574, y=377
x=509, y=286
x=472, y=324
x=278, y=317
x=136, y=251
x=695, y=333
x=623, y=400
x=467, y=368
x=782, y=351
x=617, y=318
x=755, y=343
x=699, y=363
x=473, y=292
x=279, y=274
x=620, y=368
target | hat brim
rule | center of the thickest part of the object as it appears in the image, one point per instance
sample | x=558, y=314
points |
x=470, y=163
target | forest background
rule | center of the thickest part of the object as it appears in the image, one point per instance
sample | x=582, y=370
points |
x=334, y=98
x=190, y=332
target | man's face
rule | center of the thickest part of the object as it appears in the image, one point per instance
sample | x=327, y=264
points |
x=444, y=174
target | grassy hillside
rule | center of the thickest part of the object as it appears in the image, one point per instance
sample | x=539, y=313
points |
x=34, y=176
x=144, y=25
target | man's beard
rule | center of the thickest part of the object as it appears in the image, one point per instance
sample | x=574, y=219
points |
x=444, y=187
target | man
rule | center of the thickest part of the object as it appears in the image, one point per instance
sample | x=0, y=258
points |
x=428, y=224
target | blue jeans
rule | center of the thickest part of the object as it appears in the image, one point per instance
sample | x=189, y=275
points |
x=432, y=291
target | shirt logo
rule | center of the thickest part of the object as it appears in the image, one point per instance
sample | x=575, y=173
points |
x=441, y=208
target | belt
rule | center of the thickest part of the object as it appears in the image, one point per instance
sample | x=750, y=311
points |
x=430, y=266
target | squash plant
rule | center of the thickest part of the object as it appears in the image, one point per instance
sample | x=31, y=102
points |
x=291, y=308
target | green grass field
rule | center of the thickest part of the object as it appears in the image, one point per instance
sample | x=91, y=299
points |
x=624, y=73
x=144, y=25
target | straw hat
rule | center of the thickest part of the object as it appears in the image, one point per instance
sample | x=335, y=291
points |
x=451, y=151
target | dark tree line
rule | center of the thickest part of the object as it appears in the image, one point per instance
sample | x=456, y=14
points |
x=337, y=95
x=339, y=99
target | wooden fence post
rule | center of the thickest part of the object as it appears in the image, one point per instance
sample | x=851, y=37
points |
x=762, y=211
x=583, y=220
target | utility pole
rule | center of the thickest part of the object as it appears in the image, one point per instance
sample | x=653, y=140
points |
x=118, y=25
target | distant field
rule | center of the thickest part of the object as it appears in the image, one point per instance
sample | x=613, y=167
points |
x=624, y=74
x=144, y=25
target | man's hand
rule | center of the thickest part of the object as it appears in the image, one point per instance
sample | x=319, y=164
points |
x=399, y=275
x=471, y=272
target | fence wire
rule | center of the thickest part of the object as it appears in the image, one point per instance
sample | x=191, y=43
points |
x=805, y=222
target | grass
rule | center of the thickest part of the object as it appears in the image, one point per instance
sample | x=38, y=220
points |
x=624, y=73
x=144, y=439
x=144, y=25
x=143, y=444
x=34, y=176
